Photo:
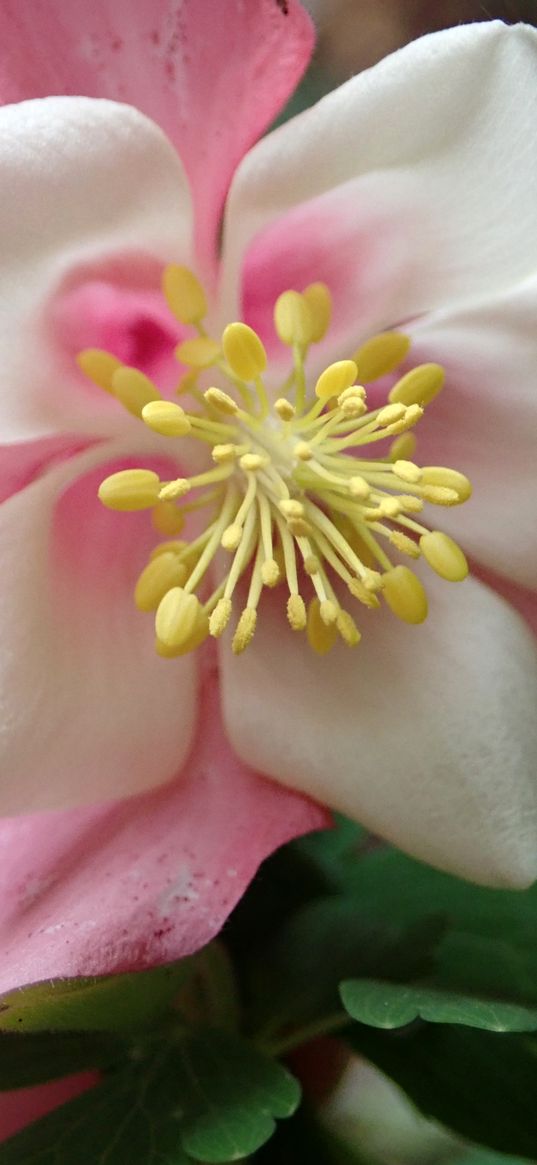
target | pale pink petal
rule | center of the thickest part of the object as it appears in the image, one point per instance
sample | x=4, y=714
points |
x=213, y=75
x=128, y=885
x=485, y=424
x=426, y=735
x=85, y=185
x=357, y=241
x=438, y=136
x=89, y=711
x=523, y=600
x=21, y=463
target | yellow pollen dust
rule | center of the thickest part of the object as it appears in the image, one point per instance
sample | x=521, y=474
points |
x=293, y=496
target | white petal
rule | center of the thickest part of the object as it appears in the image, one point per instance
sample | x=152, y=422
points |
x=485, y=424
x=88, y=711
x=426, y=735
x=439, y=137
x=83, y=182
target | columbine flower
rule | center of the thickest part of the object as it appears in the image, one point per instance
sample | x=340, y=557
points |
x=404, y=201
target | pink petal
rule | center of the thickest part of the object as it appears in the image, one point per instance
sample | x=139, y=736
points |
x=213, y=75
x=485, y=424
x=89, y=711
x=91, y=190
x=127, y=885
x=426, y=735
x=118, y=306
x=24, y=1105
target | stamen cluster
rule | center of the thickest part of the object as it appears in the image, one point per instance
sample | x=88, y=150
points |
x=295, y=496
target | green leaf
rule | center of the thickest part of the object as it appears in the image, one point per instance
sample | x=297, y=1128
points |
x=390, y=1005
x=37, y=1057
x=128, y=1117
x=490, y=942
x=237, y=1092
x=211, y=1097
x=331, y=936
x=480, y=1084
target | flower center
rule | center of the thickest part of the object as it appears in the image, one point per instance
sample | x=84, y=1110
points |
x=295, y=497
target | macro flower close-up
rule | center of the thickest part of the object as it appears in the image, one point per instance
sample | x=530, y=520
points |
x=211, y=334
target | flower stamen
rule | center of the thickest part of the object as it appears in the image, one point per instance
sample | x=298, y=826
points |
x=292, y=495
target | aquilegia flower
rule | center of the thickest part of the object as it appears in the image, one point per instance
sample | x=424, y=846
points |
x=403, y=204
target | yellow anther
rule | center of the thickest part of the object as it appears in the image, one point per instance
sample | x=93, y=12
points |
x=440, y=495
x=201, y=352
x=252, y=461
x=231, y=537
x=449, y=478
x=360, y=592
x=336, y=379
x=292, y=508
x=303, y=451
x=158, y=577
x=321, y=636
x=285, y=410
x=352, y=405
x=296, y=613
x=390, y=414
x=223, y=454
x=412, y=415
x=99, y=366
x=222, y=401
x=410, y=504
x=184, y=294
x=220, y=618
x=381, y=354
x=293, y=319
x=133, y=389
x=245, y=630
x=319, y=301
x=174, y=489
x=130, y=489
x=244, y=351
x=359, y=487
x=353, y=392
x=405, y=595
x=328, y=612
x=312, y=564
x=270, y=572
x=177, y=617
x=347, y=628
x=403, y=447
x=419, y=386
x=390, y=507
x=167, y=418
x=167, y=518
x=198, y=634
x=407, y=471
x=405, y=544
x=444, y=556
x=170, y=547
